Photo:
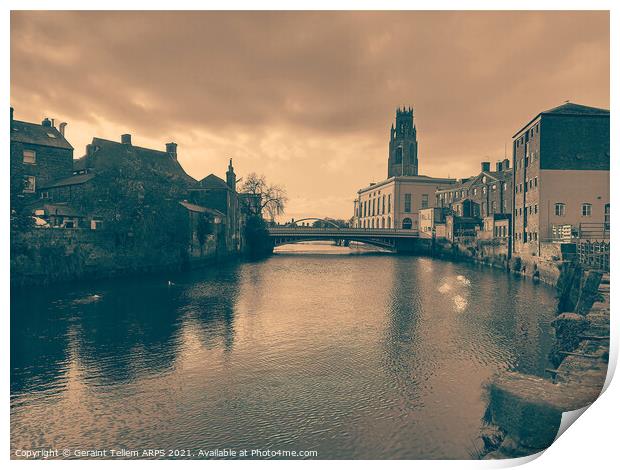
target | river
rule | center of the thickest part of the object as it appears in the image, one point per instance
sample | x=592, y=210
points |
x=318, y=348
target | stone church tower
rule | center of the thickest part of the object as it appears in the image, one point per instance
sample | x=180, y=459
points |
x=403, y=158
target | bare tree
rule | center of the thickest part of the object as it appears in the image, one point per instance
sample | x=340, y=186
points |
x=268, y=198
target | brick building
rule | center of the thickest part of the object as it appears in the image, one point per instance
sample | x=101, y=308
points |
x=488, y=193
x=561, y=180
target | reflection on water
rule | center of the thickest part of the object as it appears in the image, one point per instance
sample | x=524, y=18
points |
x=352, y=356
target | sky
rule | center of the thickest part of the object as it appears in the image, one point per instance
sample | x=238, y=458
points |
x=306, y=98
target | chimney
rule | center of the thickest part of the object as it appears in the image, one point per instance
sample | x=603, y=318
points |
x=485, y=166
x=61, y=128
x=506, y=164
x=46, y=123
x=171, y=148
x=126, y=139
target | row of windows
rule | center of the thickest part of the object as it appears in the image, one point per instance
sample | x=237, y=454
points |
x=375, y=206
x=500, y=231
x=462, y=193
x=524, y=237
x=531, y=134
x=529, y=158
x=529, y=184
x=586, y=209
x=385, y=223
x=377, y=223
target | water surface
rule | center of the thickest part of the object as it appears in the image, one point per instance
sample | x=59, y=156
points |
x=354, y=356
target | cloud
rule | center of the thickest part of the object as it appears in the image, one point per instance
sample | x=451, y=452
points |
x=306, y=97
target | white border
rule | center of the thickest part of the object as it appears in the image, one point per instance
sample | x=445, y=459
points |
x=590, y=443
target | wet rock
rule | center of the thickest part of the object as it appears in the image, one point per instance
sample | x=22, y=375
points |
x=529, y=409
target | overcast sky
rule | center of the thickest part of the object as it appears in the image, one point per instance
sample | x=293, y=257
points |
x=306, y=98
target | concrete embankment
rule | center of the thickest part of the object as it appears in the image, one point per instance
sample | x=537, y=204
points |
x=524, y=412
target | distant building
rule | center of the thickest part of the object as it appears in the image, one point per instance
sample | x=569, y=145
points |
x=430, y=218
x=561, y=180
x=488, y=193
x=394, y=203
x=40, y=153
x=215, y=193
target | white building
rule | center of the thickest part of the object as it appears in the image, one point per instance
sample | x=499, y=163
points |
x=395, y=202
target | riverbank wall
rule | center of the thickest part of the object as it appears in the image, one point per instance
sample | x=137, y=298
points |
x=546, y=267
x=524, y=412
x=55, y=255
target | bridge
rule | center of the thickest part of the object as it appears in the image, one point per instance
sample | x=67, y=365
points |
x=389, y=239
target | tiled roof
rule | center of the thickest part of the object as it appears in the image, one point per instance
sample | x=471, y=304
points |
x=201, y=209
x=69, y=181
x=107, y=153
x=212, y=182
x=37, y=134
x=574, y=108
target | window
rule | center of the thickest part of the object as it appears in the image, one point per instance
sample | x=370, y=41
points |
x=493, y=207
x=30, y=184
x=383, y=204
x=45, y=195
x=389, y=203
x=475, y=191
x=424, y=201
x=407, y=203
x=607, y=221
x=30, y=156
x=560, y=209
x=484, y=190
x=586, y=209
x=398, y=157
x=535, y=208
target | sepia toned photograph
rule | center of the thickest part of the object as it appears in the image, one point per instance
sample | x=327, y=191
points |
x=306, y=235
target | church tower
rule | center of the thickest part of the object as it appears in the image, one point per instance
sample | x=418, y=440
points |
x=231, y=178
x=403, y=157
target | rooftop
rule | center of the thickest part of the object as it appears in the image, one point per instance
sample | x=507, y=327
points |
x=38, y=134
x=567, y=109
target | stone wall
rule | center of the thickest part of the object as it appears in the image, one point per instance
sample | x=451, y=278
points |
x=41, y=256
x=51, y=163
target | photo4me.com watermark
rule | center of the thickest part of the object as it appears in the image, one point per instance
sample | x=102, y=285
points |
x=43, y=454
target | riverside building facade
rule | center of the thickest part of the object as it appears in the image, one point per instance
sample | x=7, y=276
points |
x=561, y=176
